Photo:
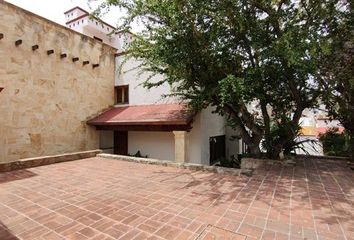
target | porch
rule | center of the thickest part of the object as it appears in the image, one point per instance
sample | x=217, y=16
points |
x=159, y=131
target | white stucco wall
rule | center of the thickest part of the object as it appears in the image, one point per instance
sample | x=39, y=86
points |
x=211, y=125
x=74, y=14
x=139, y=95
x=94, y=28
x=205, y=125
x=159, y=145
x=194, y=142
x=106, y=141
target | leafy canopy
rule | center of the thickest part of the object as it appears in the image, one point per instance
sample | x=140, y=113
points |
x=338, y=71
x=256, y=61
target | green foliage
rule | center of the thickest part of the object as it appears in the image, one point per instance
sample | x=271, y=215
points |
x=256, y=61
x=334, y=143
x=233, y=162
x=278, y=131
x=337, y=68
x=138, y=154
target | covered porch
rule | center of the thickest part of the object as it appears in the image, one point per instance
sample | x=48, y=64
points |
x=157, y=131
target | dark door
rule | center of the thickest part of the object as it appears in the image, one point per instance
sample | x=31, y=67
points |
x=121, y=142
x=217, y=148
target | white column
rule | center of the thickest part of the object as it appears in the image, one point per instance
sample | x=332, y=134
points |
x=240, y=146
x=180, y=146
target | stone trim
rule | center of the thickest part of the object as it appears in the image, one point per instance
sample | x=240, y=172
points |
x=189, y=166
x=46, y=160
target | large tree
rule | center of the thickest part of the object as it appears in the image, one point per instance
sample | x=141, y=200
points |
x=338, y=71
x=256, y=61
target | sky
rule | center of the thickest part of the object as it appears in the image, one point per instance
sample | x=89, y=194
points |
x=54, y=9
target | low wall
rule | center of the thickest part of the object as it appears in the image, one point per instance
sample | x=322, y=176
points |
x=321, y=157
x=253, y=163
x=45, y=160
x=190, y=166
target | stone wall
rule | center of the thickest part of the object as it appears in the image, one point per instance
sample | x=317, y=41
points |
x=46, y=99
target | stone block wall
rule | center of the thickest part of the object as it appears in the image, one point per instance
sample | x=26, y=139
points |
x=47, y=98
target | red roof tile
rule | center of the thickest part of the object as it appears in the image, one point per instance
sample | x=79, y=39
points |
x=157, y=114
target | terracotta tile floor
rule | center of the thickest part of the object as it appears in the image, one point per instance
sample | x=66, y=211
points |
x=109, y=199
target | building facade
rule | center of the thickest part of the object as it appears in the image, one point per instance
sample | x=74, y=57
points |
x=204, y=131
x=52, y=80
x=66, y=89
x=142, y=120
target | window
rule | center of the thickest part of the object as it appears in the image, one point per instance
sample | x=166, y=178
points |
x=122, y=93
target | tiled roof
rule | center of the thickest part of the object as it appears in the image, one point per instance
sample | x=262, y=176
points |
x=156, y=114
x=322, y=130
x=313, y=131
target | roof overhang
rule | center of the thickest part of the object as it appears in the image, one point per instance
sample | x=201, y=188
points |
x=77, y=7
x=157, y=117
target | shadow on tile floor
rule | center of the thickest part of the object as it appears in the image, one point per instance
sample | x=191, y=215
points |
x=15, y=175
x=5, y=233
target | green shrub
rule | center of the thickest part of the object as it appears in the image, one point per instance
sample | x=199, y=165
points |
x=281, y=138
x=233, y=162
x=334, y=143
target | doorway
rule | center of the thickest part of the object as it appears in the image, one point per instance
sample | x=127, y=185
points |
x=120, y=142
x=217, y=148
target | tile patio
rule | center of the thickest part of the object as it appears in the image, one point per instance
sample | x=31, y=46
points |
x=109, y=199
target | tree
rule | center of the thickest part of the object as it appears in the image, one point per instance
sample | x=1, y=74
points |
x=338, y=71
x=334, y=143
x=255, y=61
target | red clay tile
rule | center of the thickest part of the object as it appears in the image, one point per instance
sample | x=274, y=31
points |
x=108, y=199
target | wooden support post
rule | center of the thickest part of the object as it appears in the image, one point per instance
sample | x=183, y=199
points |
x=1, y=88
x=75, y=59
x=85, y=62
x=1, y=35
x=18, y=42
x=63, y=55
x=95, y=65
x=50, y=52
x=35, y=47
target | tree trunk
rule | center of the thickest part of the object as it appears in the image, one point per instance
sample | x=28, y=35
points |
x=251, y=141
x=253, y=137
